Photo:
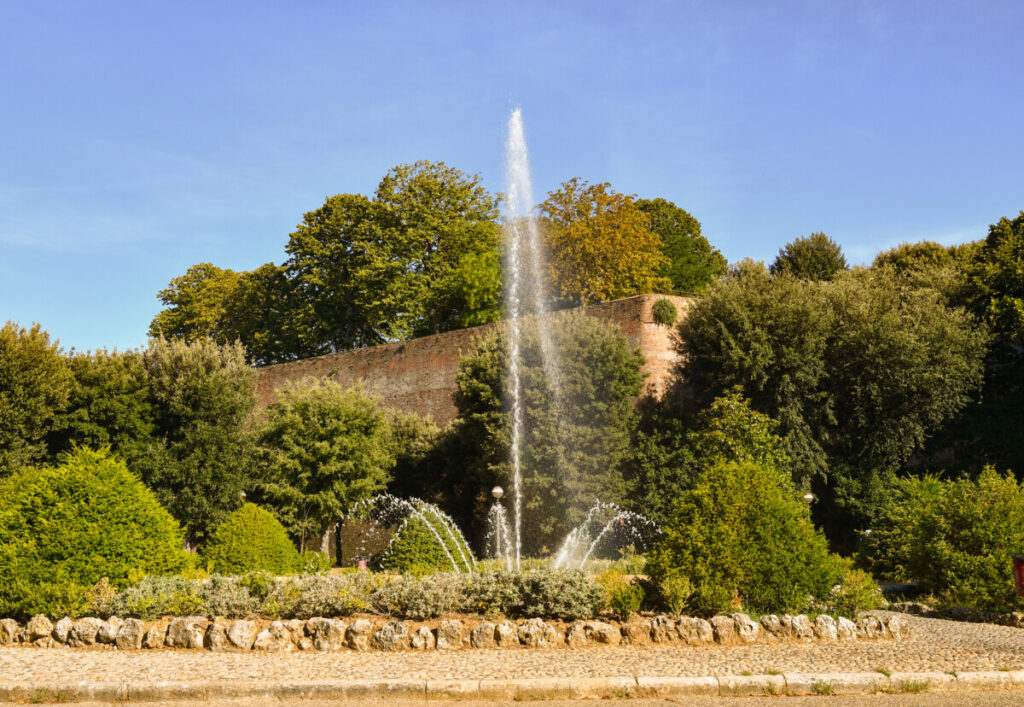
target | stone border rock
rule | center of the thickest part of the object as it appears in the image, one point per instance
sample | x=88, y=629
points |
x=524, y=689
x=361, y=634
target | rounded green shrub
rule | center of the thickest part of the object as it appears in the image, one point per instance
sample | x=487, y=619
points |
x=743, y=536
x=425, y=544
x=64, y=528
x=957, y=538
x=664, y=312
x=251, y=539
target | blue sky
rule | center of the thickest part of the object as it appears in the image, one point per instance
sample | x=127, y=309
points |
x=139, y=138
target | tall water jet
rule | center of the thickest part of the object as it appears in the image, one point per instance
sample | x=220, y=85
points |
x=524, y=264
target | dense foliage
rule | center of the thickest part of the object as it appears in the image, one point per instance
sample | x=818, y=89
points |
x=321, y=449
x=34, y=385
x=857, y=371
x=956, y=537
x=577, y=435
x=815, y=257
x=202, y=395
x=600, y=244
x=426, y=544
x=691, y=261
x=251, y=539
x=742, y=536
x=64, y=528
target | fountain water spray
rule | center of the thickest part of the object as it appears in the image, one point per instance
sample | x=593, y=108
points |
x=522, y=238
x=605, y=522
x=391, y=514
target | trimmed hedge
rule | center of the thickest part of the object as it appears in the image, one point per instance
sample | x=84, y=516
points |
x=64, y=528
x=251, y=539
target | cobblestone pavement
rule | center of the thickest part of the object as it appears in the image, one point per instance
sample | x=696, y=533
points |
x=934, y=645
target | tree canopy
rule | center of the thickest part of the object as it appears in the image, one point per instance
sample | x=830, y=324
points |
x=692, y=262
x=814, y=257
x=322, y=448
x=858, y=372
x=34, y=385
x=600, y=244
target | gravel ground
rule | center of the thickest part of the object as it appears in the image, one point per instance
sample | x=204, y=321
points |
x=934, y=645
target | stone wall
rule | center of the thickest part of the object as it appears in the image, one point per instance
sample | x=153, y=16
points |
x=418, y=375
x=363, y=634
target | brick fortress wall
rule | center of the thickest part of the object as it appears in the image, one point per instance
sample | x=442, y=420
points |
x=418, y=375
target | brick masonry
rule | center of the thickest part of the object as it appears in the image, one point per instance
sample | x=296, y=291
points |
x=418, y=375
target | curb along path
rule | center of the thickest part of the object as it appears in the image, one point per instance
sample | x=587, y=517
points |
x=526, y=689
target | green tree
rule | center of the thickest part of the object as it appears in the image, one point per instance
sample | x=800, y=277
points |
x=743, y=534
x=202, y=394
x=109, y=406
x=576, y=439
x=366, y=271
x=692, y=261
x=600, y=244
x=196, y=304
x=858, y=372
x=672, y=449
x=34, y=386
x=814, y=257
x=323, y=448
x=956, y=537
x=64, y=528
x=249, y=540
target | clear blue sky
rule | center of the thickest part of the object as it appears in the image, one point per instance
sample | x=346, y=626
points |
x=139, y=138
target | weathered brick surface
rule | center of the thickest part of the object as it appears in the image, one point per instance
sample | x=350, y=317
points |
x=418, y=375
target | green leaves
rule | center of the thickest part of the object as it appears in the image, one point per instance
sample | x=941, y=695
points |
x=34, y=385
x=322, y=448
x=815, y=257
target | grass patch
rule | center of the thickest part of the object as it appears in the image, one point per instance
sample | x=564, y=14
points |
x=772, y=690
x=915, y=686
x=44, y=696
x=884, y=671
x=819, y=687
x=773, y=671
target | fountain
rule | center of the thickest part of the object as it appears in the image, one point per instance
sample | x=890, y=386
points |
x=499, y=541
x=523, y=264
x=390, y=514
x=605, y=523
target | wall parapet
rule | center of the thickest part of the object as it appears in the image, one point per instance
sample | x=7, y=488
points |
x=419, y=375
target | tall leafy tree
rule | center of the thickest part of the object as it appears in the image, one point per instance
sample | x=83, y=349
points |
x=322, y=448
x=576, y=438
x=692, y=261
x=600, y=244
x=366, y=271
x=814, y=257
x=195, y=304
x=109, y=406
x=858, y=372
x=34, y=386
x=202, y=395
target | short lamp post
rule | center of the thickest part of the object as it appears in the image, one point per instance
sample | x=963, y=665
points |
x=497, y=492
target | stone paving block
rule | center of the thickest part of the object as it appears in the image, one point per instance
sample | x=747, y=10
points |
x=544, y=689
x=159, y=690
x=984, y=680
x=453, y=689
x=922, y=682
x=1016, y=677
x=751, y=685
x=838, y=683
x=382, y=689
x=497, y=690
x=604, y=688
x=676, y=687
